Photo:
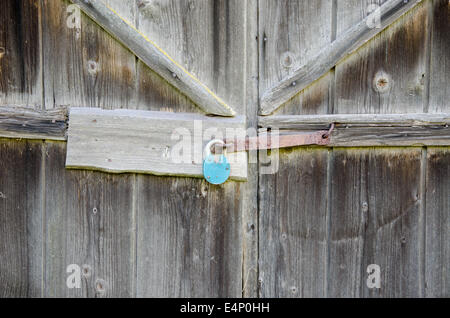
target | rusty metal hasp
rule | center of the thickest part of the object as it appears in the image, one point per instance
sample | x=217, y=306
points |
x=273, y=140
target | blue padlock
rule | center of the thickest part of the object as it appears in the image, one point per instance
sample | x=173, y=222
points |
x=216, y=168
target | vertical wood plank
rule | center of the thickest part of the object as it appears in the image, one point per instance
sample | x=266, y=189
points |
x=20, y=218
x=189, y=238
x=375, y=200
x=387, y=75
x=20, y=45
x=88, y=223
x=292, y=32
x=348, y=193
x=88, y=215
x=85, y=66
x=190, y=244
x=293, y=226
x=437, y=246
x=250, y=222
x=440, y=57
x=207, y=38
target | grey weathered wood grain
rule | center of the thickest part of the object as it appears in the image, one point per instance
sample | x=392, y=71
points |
x=88, y=222
x=352, y=120
x=197, y=240
x=192, y=244
x=89, y=217
x=293, y=229
x=375, y=198
x=351, y=130
x=328, y=57
x=206, y=37
x=437, y=246
x=351, y=12
x=189, y=238
x=156, y=58
x=21, y=237
x=84, y=65
x=169, y=23
x=391, y=136
x=28, y=123
x=292, y=33
x=145, y=141
x=383, y=136
x=440, y=58
x=20, y=59
x=370, y=129
x=250, y=189
x=293, y=226
x=388, y=74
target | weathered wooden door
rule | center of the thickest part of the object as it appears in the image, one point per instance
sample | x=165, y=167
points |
x=307, y=221
x=328, y=214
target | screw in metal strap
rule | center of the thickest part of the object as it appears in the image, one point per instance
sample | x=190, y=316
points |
x=328, y=134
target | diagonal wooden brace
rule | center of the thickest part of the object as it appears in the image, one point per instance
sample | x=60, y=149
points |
x=155, y=57
x=344, y=45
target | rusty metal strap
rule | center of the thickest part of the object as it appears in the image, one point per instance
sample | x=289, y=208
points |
x=275, y=141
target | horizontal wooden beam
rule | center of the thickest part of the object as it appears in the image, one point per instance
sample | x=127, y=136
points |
x=301, y=122
x=154, y=57
x=351, y=130
x=160, y=143
x=369, y=130
x=27, y=123
x=319, y=65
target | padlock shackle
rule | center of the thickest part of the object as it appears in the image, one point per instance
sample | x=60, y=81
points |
x=209, y=145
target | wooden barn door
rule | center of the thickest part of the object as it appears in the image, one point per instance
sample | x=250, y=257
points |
x=308, y=221
x=329, y=213
x=132, y=235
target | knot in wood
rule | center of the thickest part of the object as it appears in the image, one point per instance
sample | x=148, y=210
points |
x=86, y=270
x=151, y=10
x=93, y=68
x=365, y=207
x=100, y=286
x=382, y=82
x=142, y=3
x=287, y=59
